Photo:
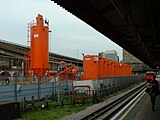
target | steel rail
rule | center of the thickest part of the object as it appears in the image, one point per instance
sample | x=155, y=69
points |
x=105, y=112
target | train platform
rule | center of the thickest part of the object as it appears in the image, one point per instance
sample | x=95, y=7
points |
x=142, y=110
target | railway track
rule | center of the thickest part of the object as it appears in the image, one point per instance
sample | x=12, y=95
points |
x=106, y=112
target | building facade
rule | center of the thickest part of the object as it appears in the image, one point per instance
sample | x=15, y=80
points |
x=137, y=65
x=110, y=54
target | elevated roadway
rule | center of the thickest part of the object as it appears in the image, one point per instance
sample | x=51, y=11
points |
x=15, y=51
x=132, y=24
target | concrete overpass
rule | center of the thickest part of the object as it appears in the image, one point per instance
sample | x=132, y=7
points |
x=15, y=52
x=132, y=24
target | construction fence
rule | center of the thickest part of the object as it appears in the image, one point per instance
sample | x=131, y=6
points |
x=18, y=88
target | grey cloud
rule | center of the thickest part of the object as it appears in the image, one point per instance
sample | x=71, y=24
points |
x=68, y=32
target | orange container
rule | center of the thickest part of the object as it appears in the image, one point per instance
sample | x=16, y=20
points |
x=111, y=67
x=108, y=68
x=120, y=69
x=39, y=47
x=115, y=69
x=130, y=70
x=96, y=67
x=100, y=67
x=90, y=65
x=105, y=68
x=124, y=69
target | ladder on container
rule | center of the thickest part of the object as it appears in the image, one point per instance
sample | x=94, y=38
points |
x=28, y=34
x=29, y=25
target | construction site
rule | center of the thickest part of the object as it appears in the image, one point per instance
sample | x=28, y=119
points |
x=35, y=73
x=35, y=65
x=114, y=71
x=36, y=62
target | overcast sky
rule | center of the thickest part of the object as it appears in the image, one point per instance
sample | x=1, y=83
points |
x=69, y=34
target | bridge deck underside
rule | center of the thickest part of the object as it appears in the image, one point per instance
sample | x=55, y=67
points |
x=132, y=24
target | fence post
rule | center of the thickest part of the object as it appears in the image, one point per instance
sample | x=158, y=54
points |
x=97, y=96
x=62, y=102
x=73, y=102
x=33, y=103
x=83, y=100
x=15, y=89
x=58, y=90
x=39, y=94
x=67, y=81
x=53, y=92
x=24, y=104
x=46, y=101
x=116, y=84
x=124, y=83
x=55, y=85
x=93, y=97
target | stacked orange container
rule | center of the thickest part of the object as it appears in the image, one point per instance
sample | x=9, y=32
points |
x=96, y=67
x=90, y=66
